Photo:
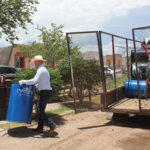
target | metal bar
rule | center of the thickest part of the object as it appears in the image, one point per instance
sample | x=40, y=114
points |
x=89, y=89
x=127, y=58
x=72, y=77
x=139, y=95
x=82, y=32
x=119, y=36
x=99, y=41
x=114, y=62
x=141, y=28
x=126, y=111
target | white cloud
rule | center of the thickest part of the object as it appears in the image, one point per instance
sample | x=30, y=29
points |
x=79, y=15
x=85, y=14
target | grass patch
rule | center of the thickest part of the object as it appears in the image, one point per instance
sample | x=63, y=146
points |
x=10, y=125
x=119, y=82
x=59, y=111
x=95, y=99
x=86, y=104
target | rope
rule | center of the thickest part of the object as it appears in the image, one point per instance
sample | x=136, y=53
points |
x=145, y=50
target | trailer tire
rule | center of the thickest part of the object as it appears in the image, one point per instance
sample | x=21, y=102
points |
x=117, y=116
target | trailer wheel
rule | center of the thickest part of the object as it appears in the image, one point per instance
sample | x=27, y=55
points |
x=117, y=116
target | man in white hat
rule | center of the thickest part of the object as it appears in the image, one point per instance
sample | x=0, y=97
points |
x=42, y=82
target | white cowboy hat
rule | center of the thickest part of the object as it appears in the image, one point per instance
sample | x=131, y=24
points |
x=37, y=57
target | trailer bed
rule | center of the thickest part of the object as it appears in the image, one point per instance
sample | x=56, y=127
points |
x=130, y=105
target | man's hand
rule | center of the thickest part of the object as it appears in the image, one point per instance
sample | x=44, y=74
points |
x=21, y=82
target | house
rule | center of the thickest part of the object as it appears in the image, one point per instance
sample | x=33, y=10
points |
x=108, y=61
x=5, y=54
x=11, y=56
x=90, y=55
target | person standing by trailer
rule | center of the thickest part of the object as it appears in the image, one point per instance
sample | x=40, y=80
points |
x=42, y=82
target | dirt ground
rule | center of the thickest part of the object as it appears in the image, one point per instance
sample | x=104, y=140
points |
x=83, y=131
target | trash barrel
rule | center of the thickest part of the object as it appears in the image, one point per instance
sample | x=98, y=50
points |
x=131, y=88
x=20, y=103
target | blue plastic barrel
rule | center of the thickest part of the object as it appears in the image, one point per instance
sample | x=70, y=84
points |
x=20, y=103
x=131, y=88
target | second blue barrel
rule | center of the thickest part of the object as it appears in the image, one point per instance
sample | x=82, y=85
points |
x=20, y=103
x=131, y=88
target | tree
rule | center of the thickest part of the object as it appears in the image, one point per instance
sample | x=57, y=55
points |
x=86, y=74
x=14, y=14
x=55, y=44
x=53, y=41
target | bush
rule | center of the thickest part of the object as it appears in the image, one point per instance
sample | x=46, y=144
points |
x=56, y=83
x=64, y=69
x=86, y=74
x=55, y=79
x=25, y=75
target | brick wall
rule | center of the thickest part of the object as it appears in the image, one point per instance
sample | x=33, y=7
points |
x=109, y=61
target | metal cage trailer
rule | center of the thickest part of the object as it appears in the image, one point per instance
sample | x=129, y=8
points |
x=130, y=57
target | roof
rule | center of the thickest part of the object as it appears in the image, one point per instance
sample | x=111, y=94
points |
x=6, y=66
x=5, y=53
x=90, y=55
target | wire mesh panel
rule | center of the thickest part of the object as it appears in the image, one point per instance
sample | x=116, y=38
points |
x=143, y=65
x=141, y=33
x=85, y=70
x=108, y=61
x=117, y=61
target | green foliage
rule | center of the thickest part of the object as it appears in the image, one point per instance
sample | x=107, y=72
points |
x=14, y=14
x=92, y=72
x=25, y=75
x=86, y=74
x=56, y=82
x=55, y=79
x=64, y=69
x=55, y=44
x=59, y=111
x=30, y=51
x=120, y=82
x=88, y=70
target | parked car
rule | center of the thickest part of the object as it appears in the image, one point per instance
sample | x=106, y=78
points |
x=108, y=71
x=8, y=71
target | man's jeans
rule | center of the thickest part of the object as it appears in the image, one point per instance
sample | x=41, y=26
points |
x=41, y=105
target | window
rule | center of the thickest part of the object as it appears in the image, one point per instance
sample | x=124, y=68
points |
x=19, y=62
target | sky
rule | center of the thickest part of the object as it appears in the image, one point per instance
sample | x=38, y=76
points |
x=114, y=16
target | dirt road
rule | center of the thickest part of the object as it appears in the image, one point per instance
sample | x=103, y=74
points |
x=84, y=131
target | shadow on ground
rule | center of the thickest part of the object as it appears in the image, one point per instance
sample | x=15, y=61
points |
x=24, y=132
x=59, y=120
x=122, y=120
